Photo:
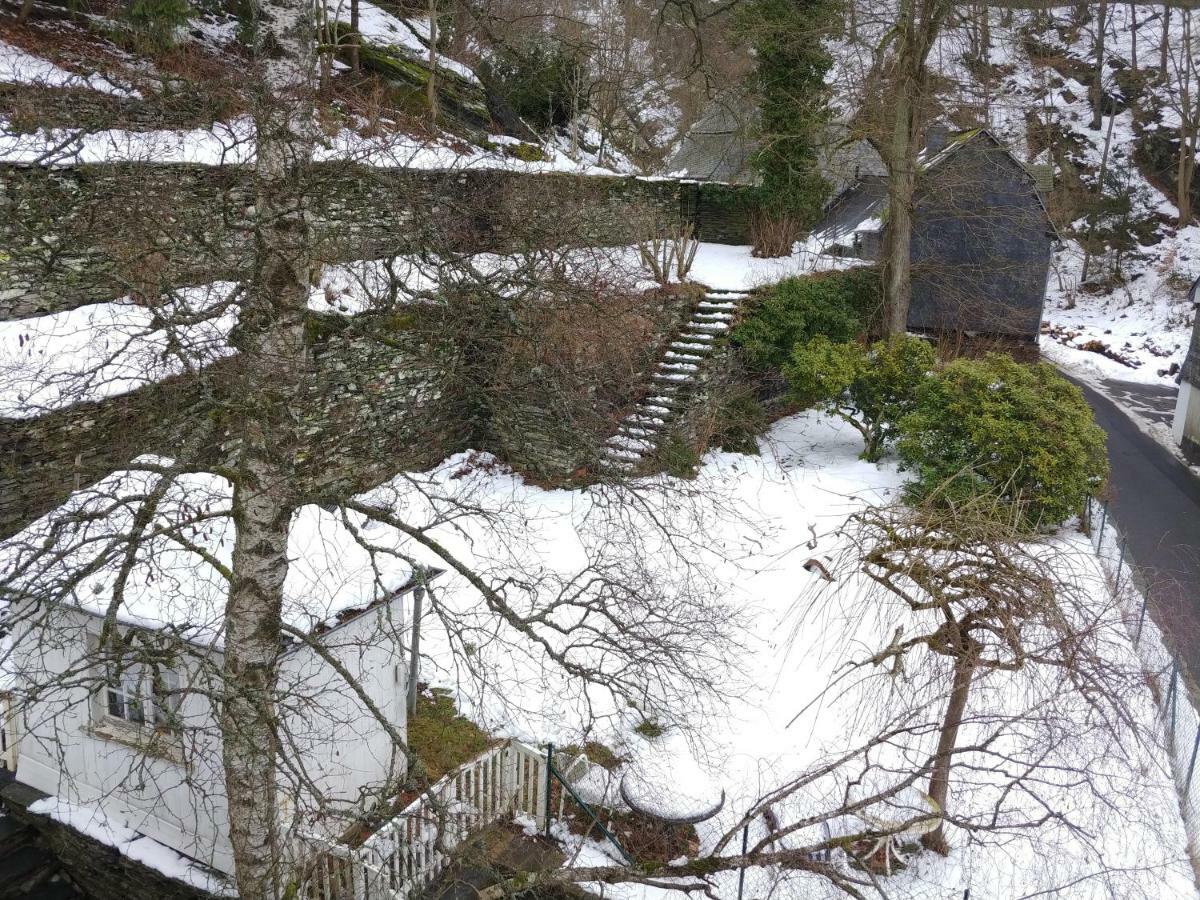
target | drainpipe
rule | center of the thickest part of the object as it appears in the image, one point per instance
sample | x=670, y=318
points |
x=414, y=663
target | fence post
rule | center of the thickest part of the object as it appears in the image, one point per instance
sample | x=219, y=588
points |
x=1103, y=520
x=549, y=775
x=1120, y=565
x=1137, y=637
x=742, y=869
x=1172, y=692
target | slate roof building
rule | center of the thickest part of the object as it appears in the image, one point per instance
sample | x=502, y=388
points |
x=981, y=239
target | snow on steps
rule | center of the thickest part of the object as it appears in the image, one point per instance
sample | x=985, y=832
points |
x=681, y=366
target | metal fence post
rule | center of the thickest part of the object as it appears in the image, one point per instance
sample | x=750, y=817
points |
x=1103, y=520
x=549, y=776
x=1137, y=637
x=1172, y=693
x=742, y=869
x=1120, y=565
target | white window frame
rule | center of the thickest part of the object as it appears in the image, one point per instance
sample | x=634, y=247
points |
x=130, y=698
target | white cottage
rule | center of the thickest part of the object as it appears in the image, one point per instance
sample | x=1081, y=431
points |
x=129, y=727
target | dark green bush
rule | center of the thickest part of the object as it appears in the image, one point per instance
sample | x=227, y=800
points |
x=836, y=305
x=154, y=22
x=994, y=427
x=738, y=420
x=871, y=388
x=542, y=82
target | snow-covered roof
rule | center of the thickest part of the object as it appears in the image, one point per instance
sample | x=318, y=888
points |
x=339, y=564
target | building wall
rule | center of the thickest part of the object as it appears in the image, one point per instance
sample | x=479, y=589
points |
x=173, y=791
x=981, y=246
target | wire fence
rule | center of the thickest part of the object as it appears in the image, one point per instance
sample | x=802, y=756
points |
x=1175, y=691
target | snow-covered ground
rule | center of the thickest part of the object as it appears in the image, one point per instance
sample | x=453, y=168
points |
x=800, y=630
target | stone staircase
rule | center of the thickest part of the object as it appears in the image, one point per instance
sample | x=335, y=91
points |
x=677, y=374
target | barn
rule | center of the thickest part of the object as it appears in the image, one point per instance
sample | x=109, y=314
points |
x=981, y=240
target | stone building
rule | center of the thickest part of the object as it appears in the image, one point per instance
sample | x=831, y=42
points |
x=981, y=240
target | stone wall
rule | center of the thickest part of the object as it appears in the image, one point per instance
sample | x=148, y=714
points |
x=373, y=398
x=74, y=236
x=721, y=213
x=103, y=872
x=78, y=235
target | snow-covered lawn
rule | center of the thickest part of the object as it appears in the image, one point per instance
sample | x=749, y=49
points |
x=762, y=519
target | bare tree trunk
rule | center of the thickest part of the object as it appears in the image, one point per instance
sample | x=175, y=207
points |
x=431, y=87
x=1133, y=31
x=252, y=622
x=1185, y=176
x=1100, y=180
x=1097, y=91
x=939, y=777
x=1163, y=42
x=355, y=37
x=900, y=146
x=270, y=336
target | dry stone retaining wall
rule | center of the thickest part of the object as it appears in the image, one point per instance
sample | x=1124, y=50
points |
x=71, y=236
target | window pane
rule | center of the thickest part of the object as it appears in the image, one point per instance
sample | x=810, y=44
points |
x=116, y=703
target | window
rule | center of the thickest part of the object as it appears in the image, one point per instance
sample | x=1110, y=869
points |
x=143, y=693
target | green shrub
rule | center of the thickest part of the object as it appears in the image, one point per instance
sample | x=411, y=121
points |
x=871, y=388
x=791, y=61
x=155, y=22
x=836, y=305
x=738, y=420
x=1022, y=434
x=542, y=82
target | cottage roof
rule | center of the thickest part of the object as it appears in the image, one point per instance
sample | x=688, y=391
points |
x=718, y=147
x=862, y=207
x=339, y=563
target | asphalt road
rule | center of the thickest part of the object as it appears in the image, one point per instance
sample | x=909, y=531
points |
x=1156, y=504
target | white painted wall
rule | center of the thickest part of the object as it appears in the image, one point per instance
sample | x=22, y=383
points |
x=1187, y=413
x=173, y=791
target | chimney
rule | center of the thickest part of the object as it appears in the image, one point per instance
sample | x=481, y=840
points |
x=936, y=138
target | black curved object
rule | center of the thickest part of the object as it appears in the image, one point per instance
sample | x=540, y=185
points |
x=685, y=820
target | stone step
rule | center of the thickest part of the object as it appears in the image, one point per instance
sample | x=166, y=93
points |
x=696, y=327
x=625, y=442
x=711, y=317
x=678, y=367
x=654, y=409
x=691, y=348
x=618, y=453
x=637, y=431
x=683, y=357
x=671, y=378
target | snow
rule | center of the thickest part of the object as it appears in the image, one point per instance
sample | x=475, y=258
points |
x=93, y=823
x=759, y=519
x=336, y=561
x=378, y=26
x=106, y=349
x=20, y=67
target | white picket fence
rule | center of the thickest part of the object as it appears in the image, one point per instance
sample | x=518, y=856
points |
x=408, y=852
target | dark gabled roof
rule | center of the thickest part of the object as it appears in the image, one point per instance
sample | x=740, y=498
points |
x=718, y=147
x=855, y=209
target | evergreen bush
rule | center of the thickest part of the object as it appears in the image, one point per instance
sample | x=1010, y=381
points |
x=542, y=82
x=1020, y=433
x=836, y=305
x=871, y=388
x=155, y=22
